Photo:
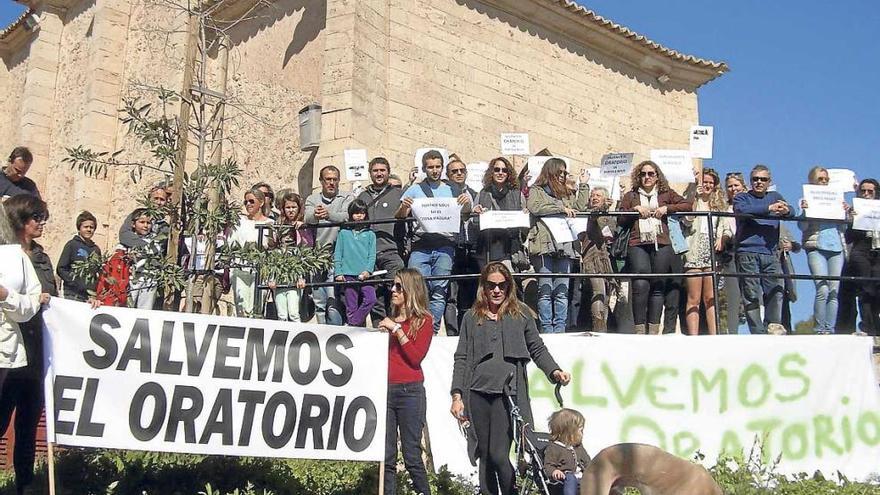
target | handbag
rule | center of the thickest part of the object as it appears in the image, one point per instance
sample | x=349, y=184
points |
x=620, y=245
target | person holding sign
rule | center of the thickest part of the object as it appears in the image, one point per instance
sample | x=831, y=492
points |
x=498, y=338
x=411, y=328
x=824, y=247
x=649, y=247
x=432, y=254
x=551, y=197
x=864, y=258
x=757, y=241
x=501, y=193
x=707, y=196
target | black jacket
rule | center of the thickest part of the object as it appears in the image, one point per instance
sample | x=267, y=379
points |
x=382, y=204
x=32, y=330
x=76, y=249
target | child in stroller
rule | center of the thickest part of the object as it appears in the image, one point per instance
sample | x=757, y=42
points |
x=564, y=457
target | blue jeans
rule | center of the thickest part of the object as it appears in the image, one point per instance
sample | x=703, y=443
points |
x=823, y=262
x=552, y=292
x=570, y=485
x=754, y=290
x=406, y=411
x=326, y=303
x=437, y=261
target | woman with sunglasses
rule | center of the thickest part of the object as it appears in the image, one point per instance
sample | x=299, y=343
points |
x=501, y=193
x=822, y=242
x=550, y=196
x=864, y=261
x=247, y=233
x=22, y=391
x=649, y=249
x=411, y=329
x=706, y=196
x=498, y=338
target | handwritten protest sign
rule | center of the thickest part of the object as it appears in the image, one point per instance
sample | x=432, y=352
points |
x=676, y=165
x=356, y=164
x=701, y=141
x=503, y=219
x=559, y=229
x=609, y=182
x=181, y=382
x=438, y=215
x=514, y=143
x=814, y=400
x=616, y=164
x=824, y=202
x=867, y=214
x=842, y=178
x=475, y=173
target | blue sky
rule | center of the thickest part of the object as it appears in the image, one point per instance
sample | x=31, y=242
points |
x=802, y=89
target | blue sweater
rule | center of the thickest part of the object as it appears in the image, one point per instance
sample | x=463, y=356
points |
x=355, y=252
x=754, y=235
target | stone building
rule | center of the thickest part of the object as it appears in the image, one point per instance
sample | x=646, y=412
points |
x=391, y=75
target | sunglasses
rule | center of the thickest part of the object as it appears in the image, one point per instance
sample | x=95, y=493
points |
x=250, y=201
x=872, y=191
x=396, y=287
x=760, y=179
x=40, y=217
x=647, y=174
x=490, y=286
x=456, y=171
x=499, y=170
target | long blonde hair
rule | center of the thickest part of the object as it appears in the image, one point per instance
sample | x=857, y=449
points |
x=415, y=300
x=511, y=305
x=566, y=425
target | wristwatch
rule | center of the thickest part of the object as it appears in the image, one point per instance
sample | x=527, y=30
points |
x=397, y=327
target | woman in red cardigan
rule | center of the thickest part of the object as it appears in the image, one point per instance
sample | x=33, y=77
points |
x=650, y=250
x=411, y=329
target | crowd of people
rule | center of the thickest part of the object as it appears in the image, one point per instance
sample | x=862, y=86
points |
x=643, y=265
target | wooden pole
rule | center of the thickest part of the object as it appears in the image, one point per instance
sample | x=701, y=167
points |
x=381, y=478
x=50, y=447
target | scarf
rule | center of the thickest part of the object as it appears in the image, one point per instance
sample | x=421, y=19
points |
x=498, y=194
x=649, y=228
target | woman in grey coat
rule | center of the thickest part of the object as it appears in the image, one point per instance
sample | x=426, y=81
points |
x=498, y=338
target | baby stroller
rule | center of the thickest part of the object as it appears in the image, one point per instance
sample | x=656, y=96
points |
x=529, y=446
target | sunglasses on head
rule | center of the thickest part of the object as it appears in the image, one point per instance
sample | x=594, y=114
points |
x=733, y=174
x=647, y=173
x=760, y=179
x=490, y=286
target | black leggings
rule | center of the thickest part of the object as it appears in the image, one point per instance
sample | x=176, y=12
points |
x=490, y=418
x=22, y=393
x=648, y=295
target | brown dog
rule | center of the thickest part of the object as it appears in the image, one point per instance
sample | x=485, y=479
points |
x=650, y=470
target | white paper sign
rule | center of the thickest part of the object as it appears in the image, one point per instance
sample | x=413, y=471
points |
x=701, y=141
x=677, y=165
x=417, y=161
x=824, y=202
x=438, y=215
x=203, y=384
x=707, y=395
x=475, y=173
x=536, y=163
x=867, y=214
x=610, y=183
x=514, y=143
x=843, y=179
x=616, y=164
x=356, y=165
x=559, y=229
x=504, y=219
x=578, y=225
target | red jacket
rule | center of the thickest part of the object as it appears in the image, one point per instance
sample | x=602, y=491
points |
x=112, y=289
x=405, y=361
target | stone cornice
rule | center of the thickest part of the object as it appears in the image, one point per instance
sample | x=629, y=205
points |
x=15, y=35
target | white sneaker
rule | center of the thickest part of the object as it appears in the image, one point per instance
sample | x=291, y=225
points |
x=776, y=329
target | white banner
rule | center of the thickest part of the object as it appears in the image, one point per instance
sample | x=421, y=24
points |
x=701, y=141
x=438, y=215
x=824, y=202
x=843, y=179
x=677, y=165
x=616, y=164
x=514, y=143
x=813, y=398
x=504, y=219
x=867, y=214
x=178, y=382
x=356, y=164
